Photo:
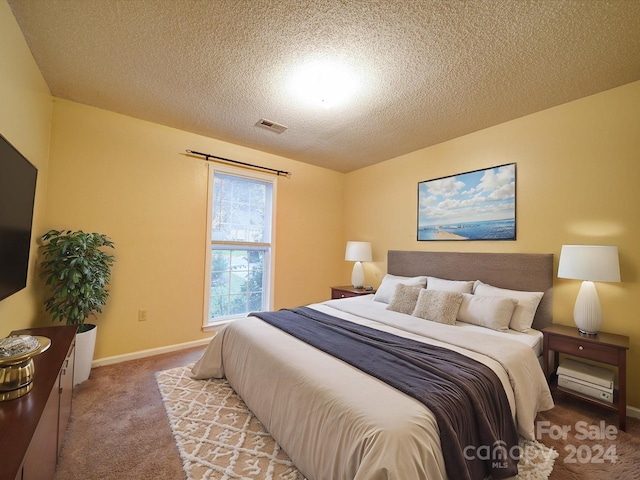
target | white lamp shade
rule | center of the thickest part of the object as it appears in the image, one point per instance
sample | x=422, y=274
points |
x=591, y=263
x=597, y=263
x=358, y=252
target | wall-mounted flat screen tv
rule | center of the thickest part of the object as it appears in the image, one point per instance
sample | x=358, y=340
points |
x=17, y=196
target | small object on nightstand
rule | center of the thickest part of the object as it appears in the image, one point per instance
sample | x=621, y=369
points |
x=369, y=288
x=349, y=291
x=606, y=348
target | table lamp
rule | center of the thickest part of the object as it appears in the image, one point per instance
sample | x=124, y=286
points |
x=358, y=252
x=590, y=263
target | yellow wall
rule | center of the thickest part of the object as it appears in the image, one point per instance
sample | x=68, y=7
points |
x=578, y=168
x=25, y=120
x=131, y=180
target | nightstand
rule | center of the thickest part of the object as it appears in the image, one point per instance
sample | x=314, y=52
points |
x=604, y=347
x=349, y=291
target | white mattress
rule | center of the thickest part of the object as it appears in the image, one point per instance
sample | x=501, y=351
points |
x=533, y=338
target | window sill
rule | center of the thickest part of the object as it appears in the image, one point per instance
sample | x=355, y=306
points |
x=213, y=326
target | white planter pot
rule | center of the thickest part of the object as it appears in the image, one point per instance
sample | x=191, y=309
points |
x=85, y=345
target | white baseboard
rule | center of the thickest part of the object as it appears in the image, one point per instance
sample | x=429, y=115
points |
x=148, y=353
x=633, y=412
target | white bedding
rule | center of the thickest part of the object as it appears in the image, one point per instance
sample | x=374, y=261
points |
x=336, y=422
x=532, y=338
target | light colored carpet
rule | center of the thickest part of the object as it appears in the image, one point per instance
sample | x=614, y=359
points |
x=596, y=456
x=119, y=428
x=219, y=438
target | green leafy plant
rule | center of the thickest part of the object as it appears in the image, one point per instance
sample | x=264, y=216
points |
x=77, y=272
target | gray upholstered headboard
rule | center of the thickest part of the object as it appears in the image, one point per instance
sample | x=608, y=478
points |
x=532, y=272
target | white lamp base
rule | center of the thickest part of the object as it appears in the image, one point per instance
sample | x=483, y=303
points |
x=587, y=312
x=357, y=276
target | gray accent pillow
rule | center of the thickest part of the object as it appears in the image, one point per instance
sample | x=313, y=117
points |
x=438, y=306
x=404, y=299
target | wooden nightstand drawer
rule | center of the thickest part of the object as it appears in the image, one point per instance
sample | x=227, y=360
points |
x=584, y=349
x=348, y=291
x=342, y=294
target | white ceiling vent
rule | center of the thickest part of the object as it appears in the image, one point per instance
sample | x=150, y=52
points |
x=269, y=125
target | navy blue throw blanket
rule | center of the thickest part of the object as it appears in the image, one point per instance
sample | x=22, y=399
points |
x=466, y=397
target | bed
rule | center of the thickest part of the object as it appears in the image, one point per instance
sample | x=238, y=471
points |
x=337, y=422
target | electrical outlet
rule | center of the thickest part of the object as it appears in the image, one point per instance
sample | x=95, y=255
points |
x=142, y=315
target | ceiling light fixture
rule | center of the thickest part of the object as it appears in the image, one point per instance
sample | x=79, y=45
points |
x=324, y=83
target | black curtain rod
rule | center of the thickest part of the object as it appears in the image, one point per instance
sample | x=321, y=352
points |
x=207, y=156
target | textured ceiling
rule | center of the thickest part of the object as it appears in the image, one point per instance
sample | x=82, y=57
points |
x=428, y=71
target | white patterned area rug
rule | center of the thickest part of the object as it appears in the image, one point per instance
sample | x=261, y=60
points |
x=219, y=438
x=217, y=435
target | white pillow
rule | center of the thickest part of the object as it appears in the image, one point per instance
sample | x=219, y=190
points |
x=435, y=283
x=438, y=306
x=490, y=312
x=388, y=286
x=525, y=310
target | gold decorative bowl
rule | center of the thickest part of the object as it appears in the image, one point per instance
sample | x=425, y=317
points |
x=16, y=364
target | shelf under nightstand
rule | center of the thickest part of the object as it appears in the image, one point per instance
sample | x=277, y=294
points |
x=607, y=348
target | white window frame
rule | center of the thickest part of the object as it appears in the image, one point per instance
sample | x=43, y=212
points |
x=269, y=261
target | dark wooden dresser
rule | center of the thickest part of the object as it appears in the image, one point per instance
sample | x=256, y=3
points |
x=32, y=427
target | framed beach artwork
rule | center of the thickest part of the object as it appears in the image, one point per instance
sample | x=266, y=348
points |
x=478, y=205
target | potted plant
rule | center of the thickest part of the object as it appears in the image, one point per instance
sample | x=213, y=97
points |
x=77, y=271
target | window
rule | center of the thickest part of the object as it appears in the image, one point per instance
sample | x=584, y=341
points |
x=240, y=251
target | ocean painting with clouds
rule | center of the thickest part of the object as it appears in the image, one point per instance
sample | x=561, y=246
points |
x=478, y=205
